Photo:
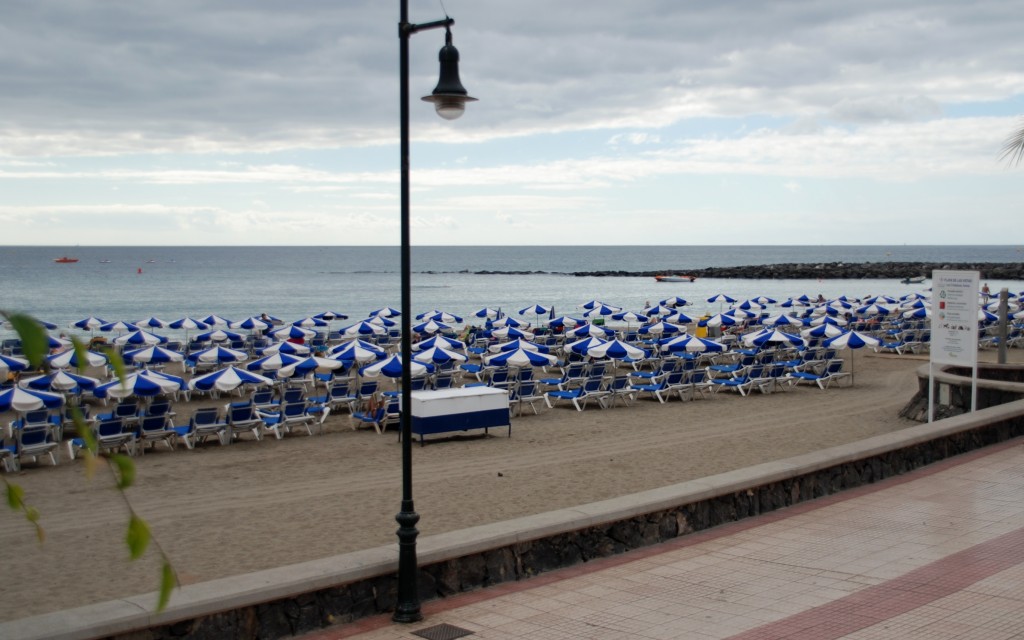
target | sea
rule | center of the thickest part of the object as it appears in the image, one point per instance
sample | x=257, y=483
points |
x=131, y=283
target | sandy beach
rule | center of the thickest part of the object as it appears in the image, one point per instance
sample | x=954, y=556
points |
x=219, y=511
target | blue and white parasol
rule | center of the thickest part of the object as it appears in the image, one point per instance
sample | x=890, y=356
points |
x=218, y=335
x=18, y=399
x=661, y=329
x=291, y=332
x=285, y=347
x=690, y=344
x=439, y=355
x=362, y=329
x=357, y=351
x=139, y=338
x=616, y=350
x=767, y=337
x=439, y=341
x=218, y=355
x=216, y=321
x=273, y=362
x=69, y=359
x=59, y=381
x=392, y=367
x=144, y=384
x=521, y=358
x=152, y=355
x=431, y=327
x=674, y=301
x=228, y=379
x=590, y=330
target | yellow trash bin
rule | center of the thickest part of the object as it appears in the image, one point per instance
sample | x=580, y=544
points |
x=701, y=332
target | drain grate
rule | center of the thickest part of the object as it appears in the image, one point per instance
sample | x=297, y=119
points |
x=442, y=631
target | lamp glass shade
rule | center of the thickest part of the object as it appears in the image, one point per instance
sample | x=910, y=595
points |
x=449, y=106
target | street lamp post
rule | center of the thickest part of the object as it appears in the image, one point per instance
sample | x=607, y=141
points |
x=449, y=98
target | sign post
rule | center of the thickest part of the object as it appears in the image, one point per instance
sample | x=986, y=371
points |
x=954, y=327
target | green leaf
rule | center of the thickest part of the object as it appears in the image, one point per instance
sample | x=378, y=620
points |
x=168, y=580
x=33, y=338
x=126, y=470
x=16, y=501
x=138, y=536
x=15, y=496
x=116, y=363
x=80, y=350
x=85, y=433
x=82, y=429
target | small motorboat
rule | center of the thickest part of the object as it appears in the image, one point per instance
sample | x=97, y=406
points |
x=675, y=278
x=65, y=260
x=913, y=280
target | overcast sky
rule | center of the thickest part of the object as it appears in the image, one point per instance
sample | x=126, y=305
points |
x=599, y=122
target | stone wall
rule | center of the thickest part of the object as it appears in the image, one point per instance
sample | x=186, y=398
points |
x=998, y=384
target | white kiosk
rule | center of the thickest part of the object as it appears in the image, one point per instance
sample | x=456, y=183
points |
x=459, y=409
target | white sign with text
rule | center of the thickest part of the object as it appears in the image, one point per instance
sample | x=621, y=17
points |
x=955, y=318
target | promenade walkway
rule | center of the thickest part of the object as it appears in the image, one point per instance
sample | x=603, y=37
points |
x=934, y=554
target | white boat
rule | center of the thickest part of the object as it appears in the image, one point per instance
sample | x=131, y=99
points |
x=675, y=278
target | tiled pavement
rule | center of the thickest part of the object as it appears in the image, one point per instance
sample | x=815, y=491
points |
x=934, y=554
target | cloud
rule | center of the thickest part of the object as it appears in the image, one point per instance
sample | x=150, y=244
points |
x=635, y=138
x=90, y=78
x=885, y=109
x=240, y=117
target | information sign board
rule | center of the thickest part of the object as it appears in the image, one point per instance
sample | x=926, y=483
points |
x=955, y=308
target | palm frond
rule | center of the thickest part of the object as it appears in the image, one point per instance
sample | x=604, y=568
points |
x=1013, y=148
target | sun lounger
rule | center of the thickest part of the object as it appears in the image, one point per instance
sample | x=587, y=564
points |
x=288, y=417
x=244, y=419
x=619, y=388
x=35, y=442
x=752, y=378
x=697, y=384
x=154, y=429
x=8, y=456
x=373, y=417
x=204, y=423
x=112, y=434
x=591, y=389
x=832, y=372
x=524, y=392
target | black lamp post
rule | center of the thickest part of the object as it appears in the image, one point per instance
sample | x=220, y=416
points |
x=449, y=98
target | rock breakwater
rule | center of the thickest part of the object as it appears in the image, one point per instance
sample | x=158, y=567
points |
x=798, y=271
